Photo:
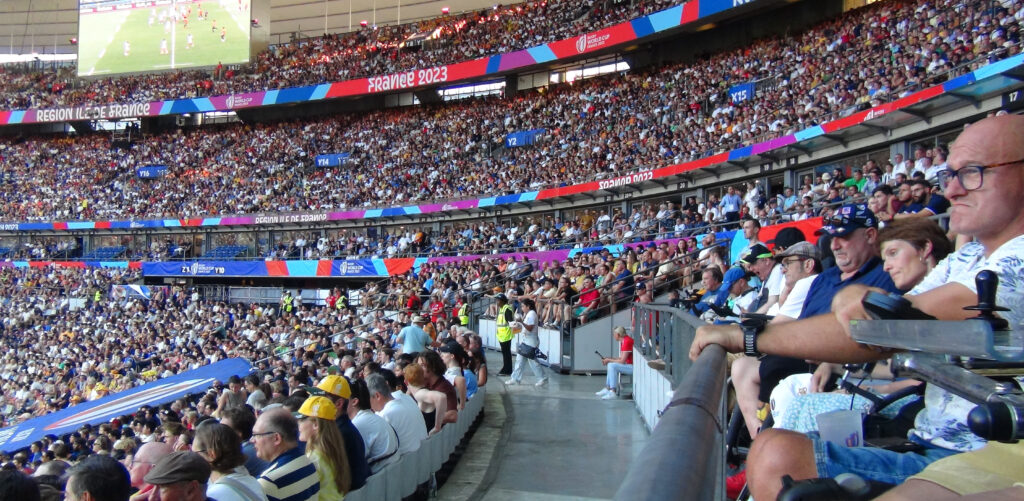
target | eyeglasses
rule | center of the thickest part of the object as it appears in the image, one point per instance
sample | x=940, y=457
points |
x=134, y=462
x=262, y=433
x=971, y=177
x=790, y=261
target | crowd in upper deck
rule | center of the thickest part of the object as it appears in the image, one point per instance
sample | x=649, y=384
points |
x=599, y=128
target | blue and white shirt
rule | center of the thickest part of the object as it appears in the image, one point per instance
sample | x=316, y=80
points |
x=943, y=421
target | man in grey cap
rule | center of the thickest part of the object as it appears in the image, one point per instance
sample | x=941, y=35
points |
x=800, y=263
x=180, y=476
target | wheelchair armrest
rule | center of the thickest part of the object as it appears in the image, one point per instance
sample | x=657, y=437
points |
x=758, y=316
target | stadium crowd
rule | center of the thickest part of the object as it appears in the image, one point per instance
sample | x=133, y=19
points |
x=886, y=189
x=369, y=51
x=597, y=129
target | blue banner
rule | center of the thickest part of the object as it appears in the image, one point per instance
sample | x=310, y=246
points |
x=742, y=92
x=151, y=171
x=102, y=410
x=354, y=268
x=206, y=269
x=332, y=159
x=709, y=7
x=523, y=138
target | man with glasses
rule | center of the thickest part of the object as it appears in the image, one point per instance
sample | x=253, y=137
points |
x=142, y=461
x=984, y=182
x=291, y=476
x=854, y=230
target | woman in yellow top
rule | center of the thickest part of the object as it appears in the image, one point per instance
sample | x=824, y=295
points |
x=324, y=446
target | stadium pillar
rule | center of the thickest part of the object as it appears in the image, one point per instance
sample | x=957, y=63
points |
x=511, y=85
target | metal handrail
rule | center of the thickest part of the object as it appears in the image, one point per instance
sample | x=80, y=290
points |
x=694, y=421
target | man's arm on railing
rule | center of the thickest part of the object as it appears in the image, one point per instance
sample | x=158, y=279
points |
x=826, y=337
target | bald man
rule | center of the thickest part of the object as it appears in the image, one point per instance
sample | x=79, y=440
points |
x=142, y=462
x=984, y=183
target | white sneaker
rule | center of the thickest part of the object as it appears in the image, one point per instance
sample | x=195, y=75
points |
x=542, y=382
x=511, y=382
x=603, y=392
x=610, y=396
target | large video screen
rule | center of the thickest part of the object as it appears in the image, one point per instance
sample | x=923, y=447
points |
x=124, y=36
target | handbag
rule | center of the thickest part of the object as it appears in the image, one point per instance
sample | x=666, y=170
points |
x=527, y=351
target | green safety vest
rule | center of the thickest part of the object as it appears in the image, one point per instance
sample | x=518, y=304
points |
x=503, y=331
x=464, y=314
x=288, y=303
x=340, y=303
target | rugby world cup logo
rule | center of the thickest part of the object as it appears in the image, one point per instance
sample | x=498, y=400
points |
x=230, y=103
x=581, y=44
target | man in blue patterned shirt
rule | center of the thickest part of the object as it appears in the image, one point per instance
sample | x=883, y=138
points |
x=291, y=476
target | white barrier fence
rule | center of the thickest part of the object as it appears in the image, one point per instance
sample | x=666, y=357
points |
x=399, y=480
x=652, y=391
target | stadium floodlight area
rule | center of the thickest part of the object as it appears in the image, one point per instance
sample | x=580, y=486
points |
x=126, y=36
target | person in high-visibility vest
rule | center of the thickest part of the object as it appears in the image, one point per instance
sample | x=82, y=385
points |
x=464, y=312
x=286, y=302
x=340, y=303
x=504, y=333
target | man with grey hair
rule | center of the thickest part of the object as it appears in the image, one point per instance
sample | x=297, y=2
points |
x=291, y=476
x=401, y=413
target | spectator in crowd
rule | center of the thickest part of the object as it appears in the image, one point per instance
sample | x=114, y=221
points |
x=986, y=207
x=325, y=447
x=291, y=476
x=338, y=390
x=432, y=404
x=400, y=412
x=617, y=366
x=380, y=438
x=911, y=248
x=15, y=484
x=180, y=475
x=220, y=445
x=433, y=378
x=140, y=463
x=97, y=478
x=241, y=420
x=413, y=338
x=923, y=202
x=714, y=293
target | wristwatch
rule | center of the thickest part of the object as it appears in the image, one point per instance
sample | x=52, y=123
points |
x=751, y=328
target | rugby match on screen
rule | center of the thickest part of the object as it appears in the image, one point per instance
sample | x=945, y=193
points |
x=124, y=36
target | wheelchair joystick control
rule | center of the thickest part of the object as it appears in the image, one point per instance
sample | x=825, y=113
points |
x=988, y=283
x=996, y=421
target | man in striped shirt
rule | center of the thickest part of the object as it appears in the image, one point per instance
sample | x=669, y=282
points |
x=290, y=476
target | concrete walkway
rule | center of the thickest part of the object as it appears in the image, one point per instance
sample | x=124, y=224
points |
x=557, y=442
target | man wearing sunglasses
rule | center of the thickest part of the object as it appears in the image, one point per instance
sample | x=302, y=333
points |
x=984, y=182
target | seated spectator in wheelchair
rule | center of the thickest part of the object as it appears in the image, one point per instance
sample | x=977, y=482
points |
x=983, y=182
x=854, y=235
x=910, y=249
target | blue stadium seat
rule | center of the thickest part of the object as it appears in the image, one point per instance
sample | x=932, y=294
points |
x=226, y=252
x=105, y=253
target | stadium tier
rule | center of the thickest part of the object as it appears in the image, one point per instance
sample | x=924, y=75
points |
x=598, y=129
x=367, y=52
